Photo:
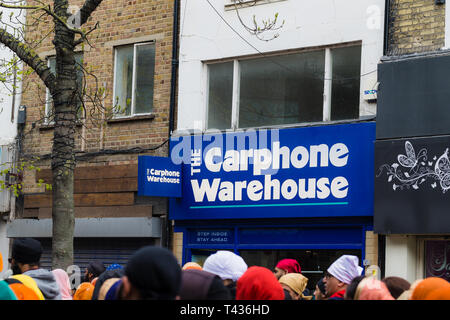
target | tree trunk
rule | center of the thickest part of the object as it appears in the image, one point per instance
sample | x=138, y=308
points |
x=63, y=153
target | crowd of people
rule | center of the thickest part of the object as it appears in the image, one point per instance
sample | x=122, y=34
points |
x=153, y=273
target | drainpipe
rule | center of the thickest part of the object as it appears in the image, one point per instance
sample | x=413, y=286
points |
x=173, y=88
x=387, y=17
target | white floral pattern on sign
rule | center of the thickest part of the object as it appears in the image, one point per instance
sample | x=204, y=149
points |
x=413, y=170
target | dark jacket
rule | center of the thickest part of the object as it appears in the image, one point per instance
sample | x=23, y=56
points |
x=202, y=285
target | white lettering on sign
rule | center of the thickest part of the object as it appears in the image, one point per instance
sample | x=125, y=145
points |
x=163, y=176
x=266, y=161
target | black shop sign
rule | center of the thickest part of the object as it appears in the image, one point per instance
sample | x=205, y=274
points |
x=412, y=185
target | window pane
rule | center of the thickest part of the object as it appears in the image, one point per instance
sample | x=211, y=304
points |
x=346, y=81
x=145, y=66
x=124, y=80
x=281, y=90
x=220, y=95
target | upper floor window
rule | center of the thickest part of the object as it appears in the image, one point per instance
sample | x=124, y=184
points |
x=314, y=86
x=133, y=79
x=49, y=108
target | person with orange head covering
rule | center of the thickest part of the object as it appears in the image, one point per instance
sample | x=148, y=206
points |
x=426, y=286
x=259, y=283
x=191, y=265
x=372, y=289
x=84, y=291
x=439, y=294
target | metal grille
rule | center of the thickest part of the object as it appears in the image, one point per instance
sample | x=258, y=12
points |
x=106, y=250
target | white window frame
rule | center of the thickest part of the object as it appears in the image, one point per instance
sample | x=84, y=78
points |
x=133, y=87
x=327, y=91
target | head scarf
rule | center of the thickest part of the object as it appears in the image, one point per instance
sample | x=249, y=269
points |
x=297, y=282
x=112, y=293
x=259, y=283
x=289, y=265
x=439, y=294
x=114, y=267
x=202, y=285
x=6, y=292
x=424, y=287
x=191, y=265
x=226, y=264
x=26, y=250
x=84, y=291
x=372, y=289
x=30, y=283
x=96, y=268
x=155, y=272
x=107, y=285
x=116, y=273
x=63, y=281
x=345, y=268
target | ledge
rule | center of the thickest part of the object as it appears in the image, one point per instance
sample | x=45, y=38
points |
x=50, y=126
x=132, y=118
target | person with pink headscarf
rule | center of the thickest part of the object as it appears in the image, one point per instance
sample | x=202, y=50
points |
x=64, y=283
x=372, y=289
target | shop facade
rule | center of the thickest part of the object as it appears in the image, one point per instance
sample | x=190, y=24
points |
x=302, y=192
x=412, y=167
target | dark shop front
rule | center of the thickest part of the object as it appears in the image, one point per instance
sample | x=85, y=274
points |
x=304, y=193
x=412, y=167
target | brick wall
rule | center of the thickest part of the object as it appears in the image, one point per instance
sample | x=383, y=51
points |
x=415, y=26
x=121, y=22
x=372, y=247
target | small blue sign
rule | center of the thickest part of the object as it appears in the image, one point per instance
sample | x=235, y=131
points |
x=158, y=177
x=324, y=171
x=211, y=237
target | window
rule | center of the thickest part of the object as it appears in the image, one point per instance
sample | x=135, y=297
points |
x=49, y=110
x=133, y=79
x=315, y=86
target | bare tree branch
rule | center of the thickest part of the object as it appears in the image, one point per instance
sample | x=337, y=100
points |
x=30, y=57
x=87, y=9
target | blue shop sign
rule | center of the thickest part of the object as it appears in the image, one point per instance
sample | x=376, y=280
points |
x=158, y=177
x=324, y=171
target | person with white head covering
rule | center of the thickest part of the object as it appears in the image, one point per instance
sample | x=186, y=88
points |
x=340, y=274
x=228, y=266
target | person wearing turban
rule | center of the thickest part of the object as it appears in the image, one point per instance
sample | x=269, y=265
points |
x=340, y=274
x=295, y=284
x=259, y=283
x=286, y=266
x=191, y=265
x=84, y=291
x=425, y=287
x=372, y=289
x=228, y=266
